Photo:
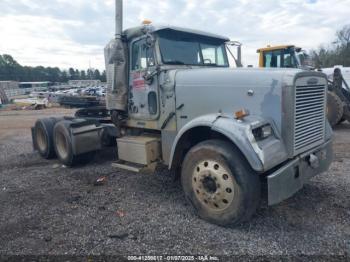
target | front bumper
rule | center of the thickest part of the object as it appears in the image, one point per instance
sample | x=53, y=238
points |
x=291, y=177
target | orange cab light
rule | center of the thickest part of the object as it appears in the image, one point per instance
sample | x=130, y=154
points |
x=147, y=22
x=241, y=114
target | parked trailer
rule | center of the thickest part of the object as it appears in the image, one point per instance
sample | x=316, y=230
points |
x=78, y=101
x=173, y=100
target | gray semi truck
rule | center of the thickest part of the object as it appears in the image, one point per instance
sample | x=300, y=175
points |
x=174, y=100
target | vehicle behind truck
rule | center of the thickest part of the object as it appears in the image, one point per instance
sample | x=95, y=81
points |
x=173, y=100
x=290, y=56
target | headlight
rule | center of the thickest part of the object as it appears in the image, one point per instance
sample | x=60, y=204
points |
x=262, y=132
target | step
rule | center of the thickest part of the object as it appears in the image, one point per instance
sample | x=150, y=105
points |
x=137, y=168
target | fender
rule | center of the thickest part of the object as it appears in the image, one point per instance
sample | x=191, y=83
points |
x=235, y=131
x=85, y=135
x=261, y=155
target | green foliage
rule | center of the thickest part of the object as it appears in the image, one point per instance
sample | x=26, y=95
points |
x=11, y=70
x=337, y=53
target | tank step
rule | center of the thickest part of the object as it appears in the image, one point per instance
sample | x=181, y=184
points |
x=137, y=168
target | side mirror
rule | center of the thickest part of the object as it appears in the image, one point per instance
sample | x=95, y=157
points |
x=150, y=41
x=238, y=58
x=149, y=45
x=150, y=57
x=149, y=75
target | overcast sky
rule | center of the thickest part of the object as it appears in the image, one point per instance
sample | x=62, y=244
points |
x=72, y=33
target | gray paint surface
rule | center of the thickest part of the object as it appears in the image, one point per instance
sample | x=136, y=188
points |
x=214, y=90
x=210, y=96
x=225, y=90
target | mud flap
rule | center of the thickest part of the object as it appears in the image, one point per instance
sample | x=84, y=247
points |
x=35, y=146
x=85, y=136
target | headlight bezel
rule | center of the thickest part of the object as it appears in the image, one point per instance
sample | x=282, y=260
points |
x=262, y=132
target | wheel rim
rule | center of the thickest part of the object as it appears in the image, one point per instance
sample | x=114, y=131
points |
x=213, y=185
x=61, y=145
x=41, y=139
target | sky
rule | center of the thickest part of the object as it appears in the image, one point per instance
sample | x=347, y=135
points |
x=72, y=33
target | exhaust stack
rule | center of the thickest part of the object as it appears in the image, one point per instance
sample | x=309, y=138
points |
x=116, y=58
x=118, y=19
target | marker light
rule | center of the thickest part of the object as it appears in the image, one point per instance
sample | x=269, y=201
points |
x=241, y=114
x=146, y=22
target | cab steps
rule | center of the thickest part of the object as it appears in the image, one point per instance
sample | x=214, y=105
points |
x=136, y=168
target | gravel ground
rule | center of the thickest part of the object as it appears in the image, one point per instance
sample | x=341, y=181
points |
x=46, y=208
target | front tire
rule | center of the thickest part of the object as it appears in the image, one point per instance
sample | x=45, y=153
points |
x=219, y=183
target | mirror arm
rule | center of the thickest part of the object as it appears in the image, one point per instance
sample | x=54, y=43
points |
x=148, y=76
x=238, y=60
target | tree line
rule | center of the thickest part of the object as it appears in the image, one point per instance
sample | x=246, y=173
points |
x=10, y=69
x=335, y=53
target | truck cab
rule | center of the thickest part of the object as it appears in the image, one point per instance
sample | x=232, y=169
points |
x=284, y=56
x=173, y=100
x=166, y=48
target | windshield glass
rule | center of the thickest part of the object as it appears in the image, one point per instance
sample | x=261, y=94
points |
x=179, y=48
x=288, y=59
x=304, y=59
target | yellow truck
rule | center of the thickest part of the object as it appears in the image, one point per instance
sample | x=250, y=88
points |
x=291, y=56
x=285, y=56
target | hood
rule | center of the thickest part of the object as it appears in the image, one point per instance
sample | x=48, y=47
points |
x=226, y=90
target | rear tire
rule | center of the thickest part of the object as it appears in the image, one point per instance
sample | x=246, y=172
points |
x=219, y=183
x=43, y=137
x=335, y=109
x=64, y=148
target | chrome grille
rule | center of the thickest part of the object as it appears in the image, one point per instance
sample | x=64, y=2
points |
x=310, y=111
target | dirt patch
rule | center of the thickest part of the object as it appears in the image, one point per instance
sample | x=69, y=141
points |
x=49, y=209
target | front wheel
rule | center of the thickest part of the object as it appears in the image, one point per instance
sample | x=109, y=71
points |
x=219, y=183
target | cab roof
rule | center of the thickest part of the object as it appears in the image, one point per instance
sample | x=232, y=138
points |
x=141, y=30
x=277, y=47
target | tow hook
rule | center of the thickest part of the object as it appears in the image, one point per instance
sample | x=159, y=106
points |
x=313, y=161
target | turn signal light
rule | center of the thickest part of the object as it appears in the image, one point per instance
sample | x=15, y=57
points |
x=241, y=114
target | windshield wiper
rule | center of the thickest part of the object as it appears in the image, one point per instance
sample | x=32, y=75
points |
x=176, y=62
x=210, y=64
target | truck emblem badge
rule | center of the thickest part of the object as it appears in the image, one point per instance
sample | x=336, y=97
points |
x=312, y=81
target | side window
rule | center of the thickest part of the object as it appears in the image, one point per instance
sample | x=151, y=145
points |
x=267, y=59
x=272, y=59
x=142, y=55
x=209, y=54
x=213, y=54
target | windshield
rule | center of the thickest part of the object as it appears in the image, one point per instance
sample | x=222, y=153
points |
x=179, y=48
x=287, y=58
x=280, y=58
x=304, y=59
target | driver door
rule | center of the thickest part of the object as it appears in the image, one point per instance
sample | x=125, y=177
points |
x=143, y=95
